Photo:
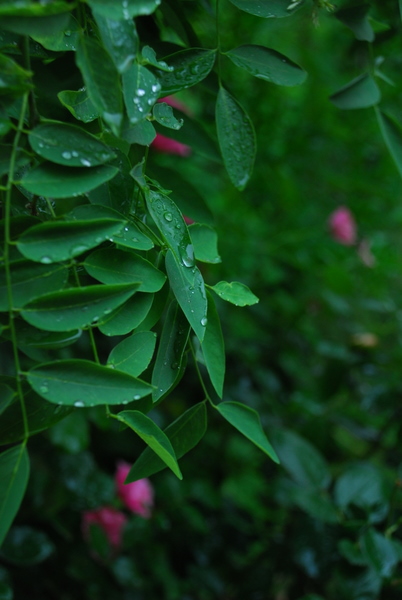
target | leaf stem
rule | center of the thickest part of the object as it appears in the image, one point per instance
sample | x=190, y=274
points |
x=33, y=112
x=7, y=243
x=199, y=375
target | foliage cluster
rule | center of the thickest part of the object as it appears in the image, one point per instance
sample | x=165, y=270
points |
x=100, y=286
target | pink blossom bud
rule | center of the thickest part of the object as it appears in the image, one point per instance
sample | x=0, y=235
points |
x=138, y=496
x=188, y=220
x=168, y=146
x=109, y=519
x=343, y=226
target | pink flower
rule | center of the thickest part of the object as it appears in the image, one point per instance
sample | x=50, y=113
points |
x=165, y=144
x=110, y=520
x=138, y=496
x=188, y=220
x=343, y=226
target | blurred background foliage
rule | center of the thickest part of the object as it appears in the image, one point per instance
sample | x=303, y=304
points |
x=319, y=357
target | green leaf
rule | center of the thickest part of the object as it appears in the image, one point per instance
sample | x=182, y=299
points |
x=128, y=316
x=154, y=437
x=132, y=237
x=40, y=416
x=392, y=133
x=69, y=145
x=76, y=307
x=29, y=281
x=149, y=58
x=25, y=546
x=359, y=93
x=140, y=90
x=194, y=135
x=301, y=459
x=82, y=383
x=171, y=348
x=205, y=242
x=27, y=8
x=123, y=9
x=79, y=105
x=184, y=433
x=267, y=64
x=134, y=353
x=120, y=40
x=189, y=68
x=57, y=181
x=117, y=266
x=101, y=81
x=14, y=474
x=59, y=40
x=163, y=113
x=37, y=26
x=247, y=421
x=265, y=8
x=379, y=552
x=29, y=336
x=356, y=18
x=236, y=139
x=142, y=133
x=213, y=348
x=6, y=396
x=14, y=79
x=54, y=241
x=235, y=292
x=361, y=484
x=188, y=287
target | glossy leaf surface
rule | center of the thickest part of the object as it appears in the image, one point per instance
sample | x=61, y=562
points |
x=128, y=316
x=140, y=90
x=134, y=353
x=14, y=474
x=29, y=281
x=184, y=433
x=117, y=266
x=359, y=93
x=79, y=105
x=247, y=421
x=205, y=242
x=356, y=18
x=163, y=113
x=236, y=139
x=119, y=38
x=82, y=383
x=154, y=437
x=76, y=307
x=123, y=9
x=213, y=348
x=267, y=64
x=264, y=8
x=235, y=292
x=189, y=68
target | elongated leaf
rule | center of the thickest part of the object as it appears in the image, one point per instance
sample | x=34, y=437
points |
x=189, y=68
x=117, y=266
x=123, y=9
x=147, y=430
x=392, y=133
x=30, y=336
x=14, y=79
x=379, y=552
x=69, y=145
x=29, y=281
x=132, y=237
x=119, y=38
x=101, y=81
x=134, y=353
x=82, y=383
x=79, y=105
x=149, y=57
x=6, y=396
x=60, y=240
x=77, y=307
x=359, y=93
x=38, y=26
x=235, y=292
x=265, y=8
x=163, y=113
x=128, y=316
x=61, y=40
x=213, y=348
x=14, y=474
x=170, y=351
x=57, y=181
x=205, y=242
x=188, y=287
x=236, y=139
x=247, y=421
x=140, y=89
x=142, y=133
x=184, y=434
x=267, y=64
x=356, y=18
